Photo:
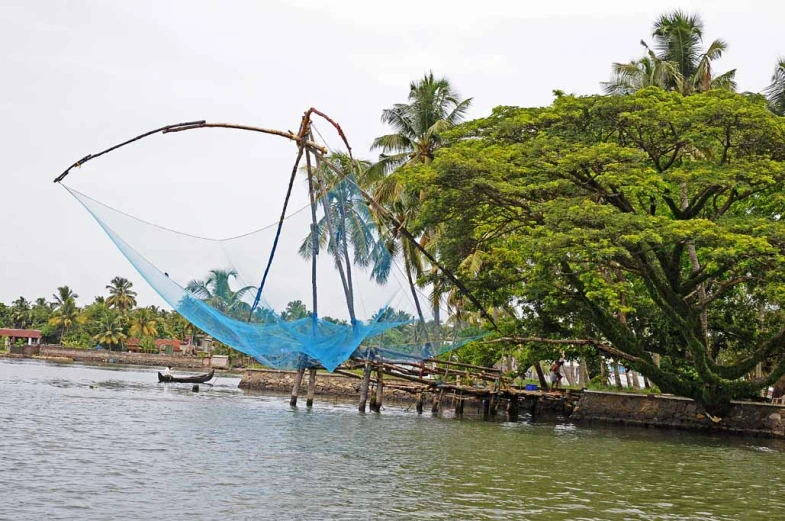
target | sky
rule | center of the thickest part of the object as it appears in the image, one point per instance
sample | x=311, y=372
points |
x=79, y=76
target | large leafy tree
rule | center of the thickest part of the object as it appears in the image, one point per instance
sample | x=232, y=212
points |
x=580, y=220
x=121, y=296
x=677, y=61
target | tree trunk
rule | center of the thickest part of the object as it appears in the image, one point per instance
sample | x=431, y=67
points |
x=568, y=374
x=636, y=383
x=407, y=266
x=584, y=373
x=364, y=386
x=695, y=265
x=616, y=376
x=311, y=386
x=298, y=380
x=540, y=375
x=336, y=247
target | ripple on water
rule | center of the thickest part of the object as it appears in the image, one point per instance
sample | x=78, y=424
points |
x=95, y=443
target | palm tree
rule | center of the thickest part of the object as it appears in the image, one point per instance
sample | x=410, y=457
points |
x=66, y=315
x=121, y=296
x=347, y=222
x=216, y=291
x=418, y=125
x=776, y=91
x=144, y=323
x=295, y=310
x=110, y=331
x=678, y=64
x=21, y=313
x=63, y=294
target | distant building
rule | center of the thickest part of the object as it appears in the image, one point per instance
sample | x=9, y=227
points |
x=171, y=346
x=31, y=336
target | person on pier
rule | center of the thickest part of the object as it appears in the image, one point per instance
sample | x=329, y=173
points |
x=556, y=375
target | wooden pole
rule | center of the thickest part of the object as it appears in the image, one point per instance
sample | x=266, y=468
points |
x=298, y=380
x=540, y=375
x=513, y=409
x=364, y=387
x=437, y=397
x=311, y=386
x=459, y=407
x=379, y=388
x=420, y=399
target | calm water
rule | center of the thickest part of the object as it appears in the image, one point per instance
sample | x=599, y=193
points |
x=86, y=443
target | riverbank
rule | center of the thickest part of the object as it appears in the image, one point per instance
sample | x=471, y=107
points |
x=92, y=356
x=579, y=407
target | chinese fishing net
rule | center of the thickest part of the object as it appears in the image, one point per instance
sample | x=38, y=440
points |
x=365, y=304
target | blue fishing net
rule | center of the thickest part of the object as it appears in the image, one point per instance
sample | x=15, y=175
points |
x=213, y=283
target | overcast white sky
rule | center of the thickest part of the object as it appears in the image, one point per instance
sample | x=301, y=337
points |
x=78, y=76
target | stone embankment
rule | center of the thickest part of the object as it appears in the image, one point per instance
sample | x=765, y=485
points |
x=671, y=412
x=92, y=356
x=327, y=384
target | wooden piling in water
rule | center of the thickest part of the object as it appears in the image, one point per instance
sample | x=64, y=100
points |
x=420, y=399
x=492, y=404
x=513, y=409
x=311, y=386
x=379, y=389
x=459, y=407
x=364, y=387
x=437, y=397
x=298, y=380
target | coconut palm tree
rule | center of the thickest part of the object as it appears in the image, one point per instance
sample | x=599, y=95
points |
x=418, y=126
x=121, y=296
x=347, y=229
x=21, y=315
x=144, y=323
x=677, y=61
x=110, y=331
x=295, y=310
x=66, y=315
x=216, y=291
x=63, y=294
x=776, y=91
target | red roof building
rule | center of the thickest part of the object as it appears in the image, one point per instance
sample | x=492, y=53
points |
x=33, y=336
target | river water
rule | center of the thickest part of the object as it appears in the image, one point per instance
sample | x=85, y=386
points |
x=80, y=442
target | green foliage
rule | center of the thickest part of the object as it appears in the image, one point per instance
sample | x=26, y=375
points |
x=576, y=221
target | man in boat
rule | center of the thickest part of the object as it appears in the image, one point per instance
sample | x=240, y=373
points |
x=167, y=371
x=556, y=374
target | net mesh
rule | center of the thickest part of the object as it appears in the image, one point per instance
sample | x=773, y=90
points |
x=364, y=302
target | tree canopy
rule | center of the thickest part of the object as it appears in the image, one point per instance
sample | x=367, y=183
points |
x=575, y=219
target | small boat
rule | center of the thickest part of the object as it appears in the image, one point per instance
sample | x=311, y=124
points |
x=198, y=379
